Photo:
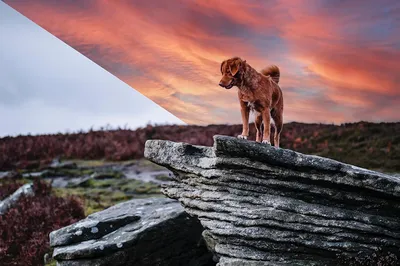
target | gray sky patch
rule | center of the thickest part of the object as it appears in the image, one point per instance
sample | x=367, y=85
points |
x=48, y=87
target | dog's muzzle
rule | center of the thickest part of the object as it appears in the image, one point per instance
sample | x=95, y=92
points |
x=230, y=85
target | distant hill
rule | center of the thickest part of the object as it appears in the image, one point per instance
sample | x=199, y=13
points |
x=368, y=145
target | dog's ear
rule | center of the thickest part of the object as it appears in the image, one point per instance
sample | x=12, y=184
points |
x=235, y=66
x=222, y=65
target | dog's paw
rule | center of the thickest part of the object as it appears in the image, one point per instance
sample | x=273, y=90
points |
x=242, y=137
x=266, y=142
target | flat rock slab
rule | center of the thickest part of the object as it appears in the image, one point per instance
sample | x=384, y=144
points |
x=153, y=231
x=262, y=205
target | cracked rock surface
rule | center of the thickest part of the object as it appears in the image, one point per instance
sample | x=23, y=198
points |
x=261, y=205
x=154, y=231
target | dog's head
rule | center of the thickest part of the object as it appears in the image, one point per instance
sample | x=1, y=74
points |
x=230, y=70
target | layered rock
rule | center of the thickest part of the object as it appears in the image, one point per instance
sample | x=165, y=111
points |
x=261, y=205
x=153, y=231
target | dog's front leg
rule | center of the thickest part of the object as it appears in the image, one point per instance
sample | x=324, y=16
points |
x=267, y=126
x=245, y=110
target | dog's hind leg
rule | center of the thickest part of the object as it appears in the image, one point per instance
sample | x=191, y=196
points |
x=277, y=115
x=258, y=124
x=273, y=130
x=266, y=116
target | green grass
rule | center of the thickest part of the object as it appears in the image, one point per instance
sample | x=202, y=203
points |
x=97, y=195
x=66, y=172
x=148, y=165
x=90, y=163
x=141, y=163
x=51, y=262
x=163, y=178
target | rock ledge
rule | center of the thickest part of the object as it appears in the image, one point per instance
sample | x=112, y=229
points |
x=260, y=205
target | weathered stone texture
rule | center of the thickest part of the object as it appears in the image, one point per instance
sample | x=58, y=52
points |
x=261, y=205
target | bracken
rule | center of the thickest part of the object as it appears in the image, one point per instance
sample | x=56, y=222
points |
x=25, y=228
x=8, y=187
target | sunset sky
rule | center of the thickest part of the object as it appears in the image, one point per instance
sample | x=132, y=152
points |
x=339, y=60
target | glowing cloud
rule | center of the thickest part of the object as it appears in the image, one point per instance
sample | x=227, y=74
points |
x=337, y=65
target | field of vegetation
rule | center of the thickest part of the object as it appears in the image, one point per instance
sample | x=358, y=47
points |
x=368, y=145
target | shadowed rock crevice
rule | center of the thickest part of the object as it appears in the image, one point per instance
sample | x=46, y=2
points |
x=260, y=205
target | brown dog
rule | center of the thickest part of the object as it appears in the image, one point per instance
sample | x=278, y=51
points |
x=258, y=92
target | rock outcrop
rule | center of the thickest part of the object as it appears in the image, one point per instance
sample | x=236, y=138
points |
x=261, y=205
x=153, y=231
x=10, y=201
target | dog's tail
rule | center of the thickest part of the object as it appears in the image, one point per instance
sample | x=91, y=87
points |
x=272, y=71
